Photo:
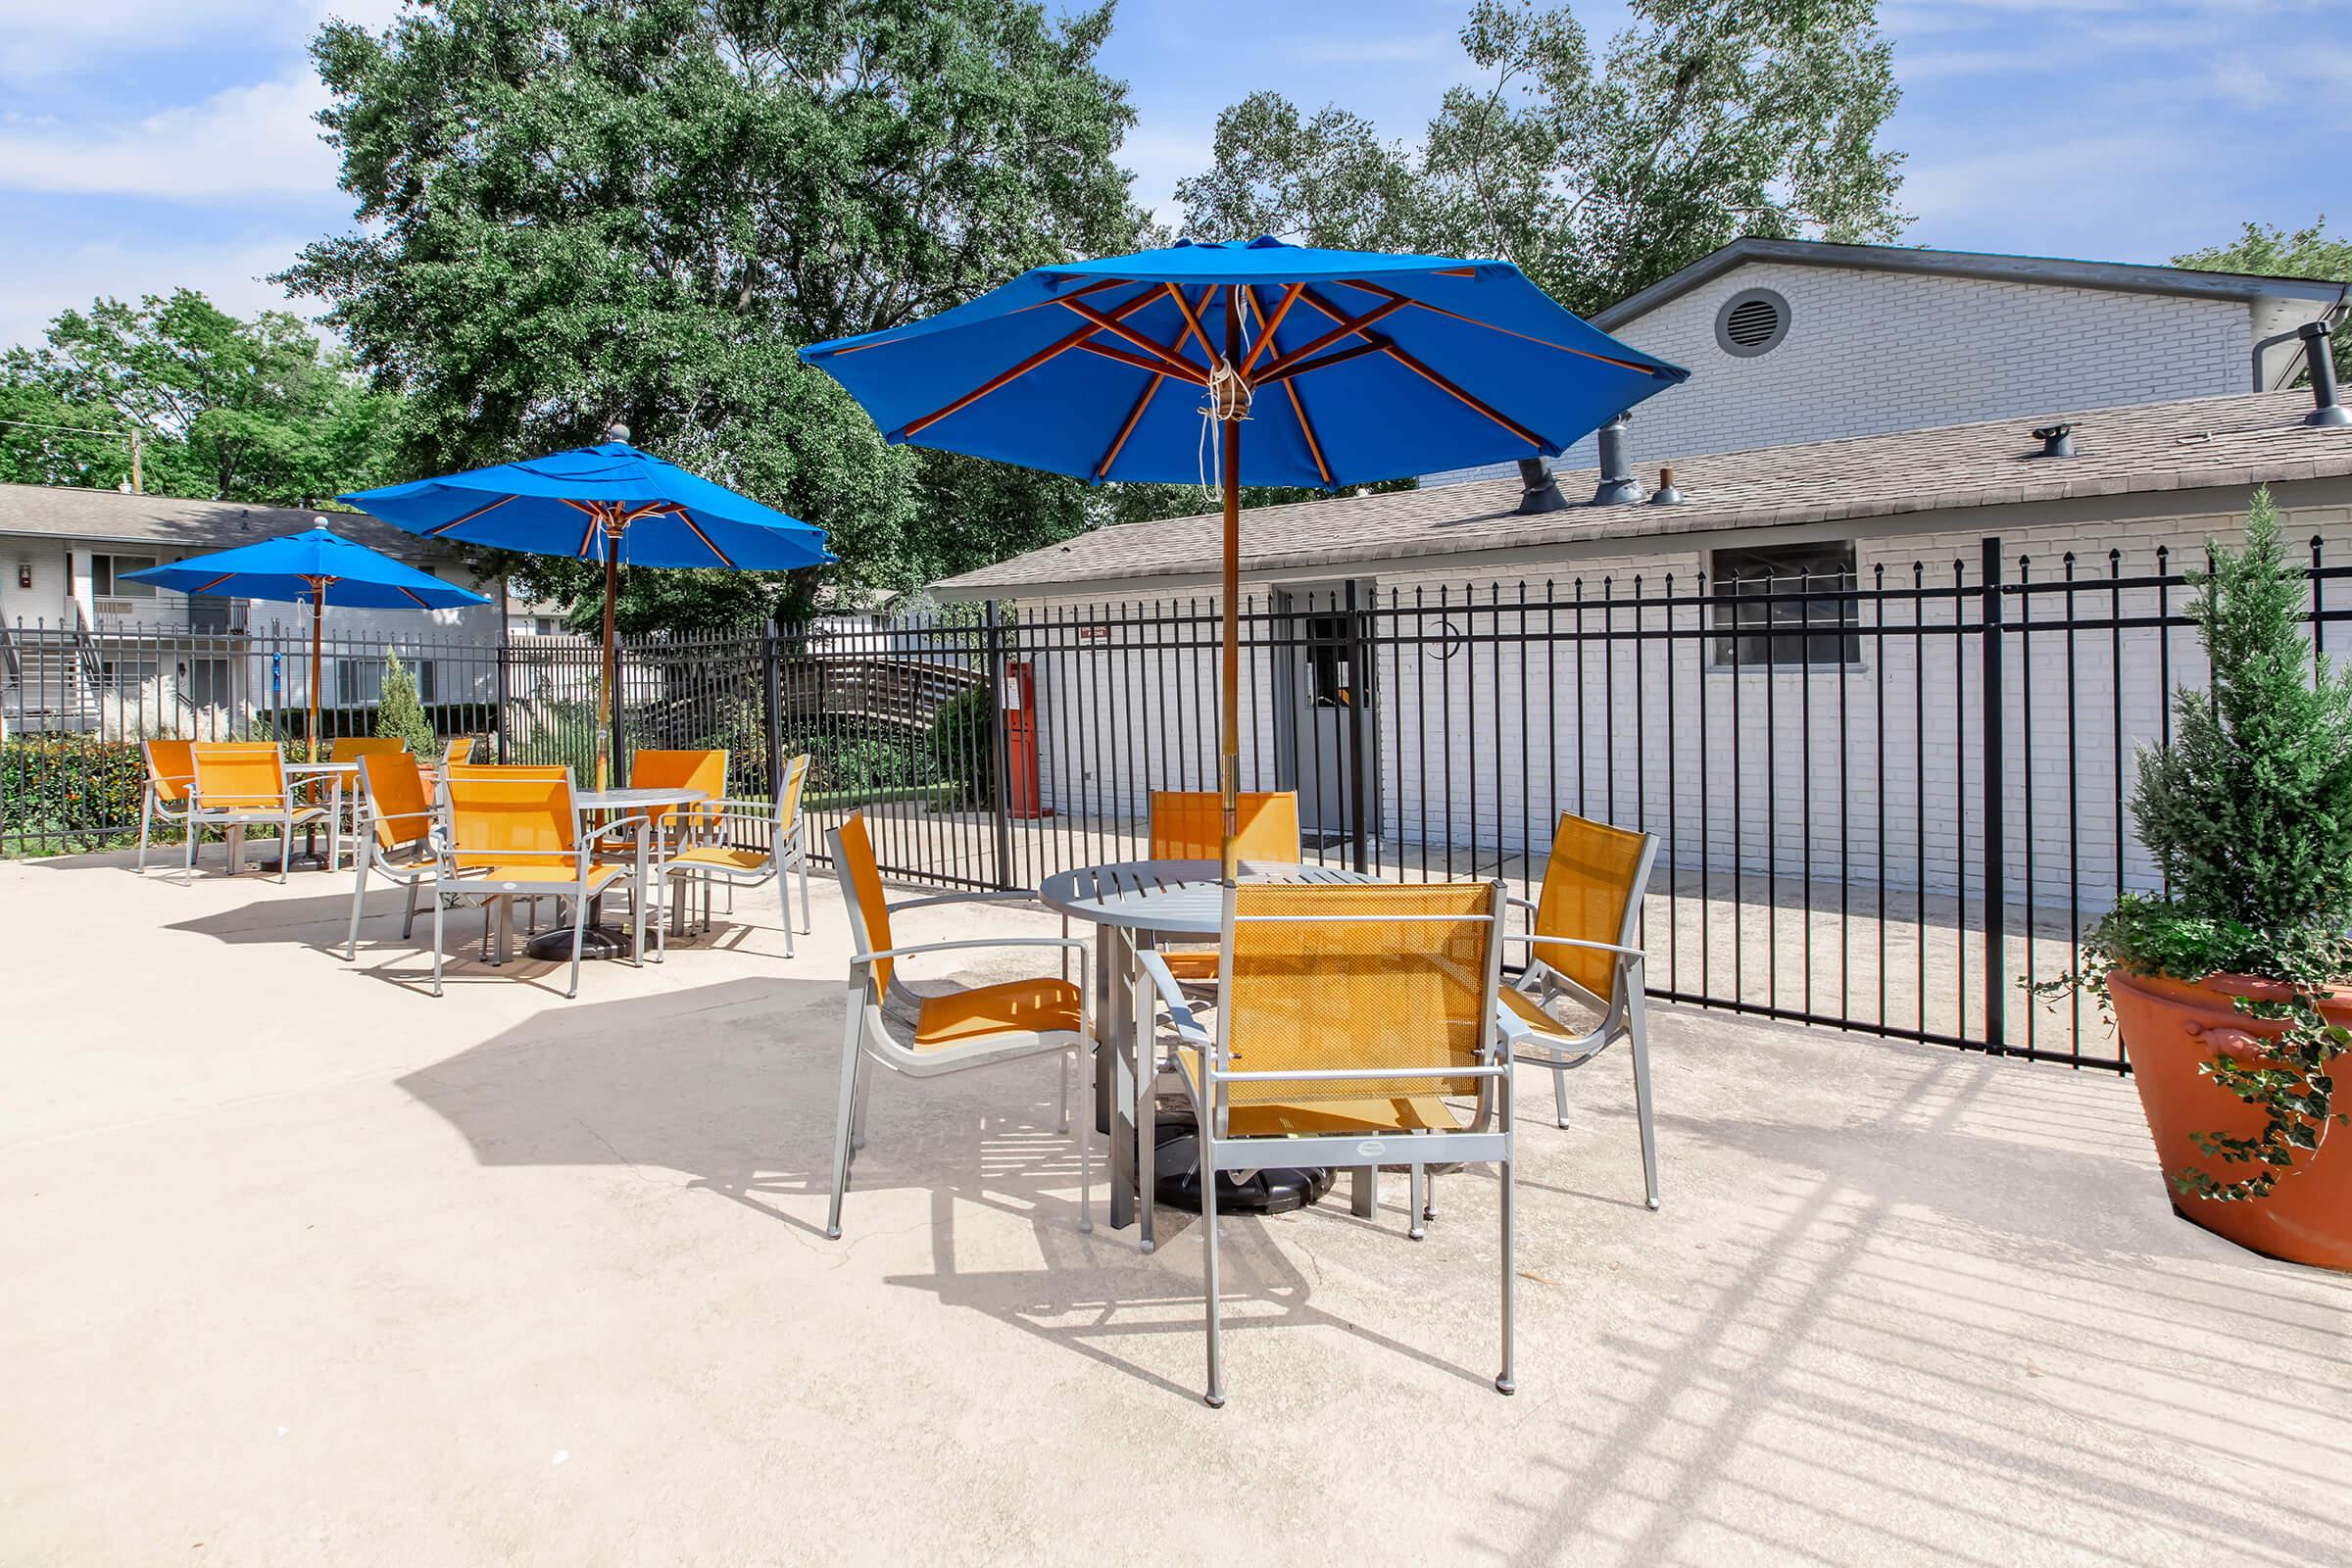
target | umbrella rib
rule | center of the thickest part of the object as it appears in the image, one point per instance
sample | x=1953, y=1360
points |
x=1119, y=328
x=909, y=431
x=215, y=583
x=412, y=593
x=1190, y=372
x=880, y=342
x=696, y=529
x=442, y=528
x=1434, y=380
x=1267, y=324
x=1373, y=344
x=1307, y=426
x=1284, y=364
x=1191, y=319
x=1606, y=358
x=1134, y=416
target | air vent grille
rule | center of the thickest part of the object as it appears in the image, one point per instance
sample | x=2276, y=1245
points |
x=1752, y=322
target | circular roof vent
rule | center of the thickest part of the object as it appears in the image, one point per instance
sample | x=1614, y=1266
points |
x=1752, y=322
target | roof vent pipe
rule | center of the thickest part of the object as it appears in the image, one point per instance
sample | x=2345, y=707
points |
x=2325, y=409
x=1617, y=487
x=2057, y=441
x=1665, y=495
x=1538, y=490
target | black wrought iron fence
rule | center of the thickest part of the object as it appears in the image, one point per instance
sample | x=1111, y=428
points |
x=1887, y=792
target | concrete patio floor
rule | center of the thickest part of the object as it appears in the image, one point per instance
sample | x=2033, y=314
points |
x=309, y=1267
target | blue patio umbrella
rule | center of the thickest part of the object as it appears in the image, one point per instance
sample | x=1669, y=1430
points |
x=318, y=567
x=1349, y=367
x=608, y=502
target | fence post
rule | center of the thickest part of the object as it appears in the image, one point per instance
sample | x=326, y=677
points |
x=994, y=655
x=771, y=698
x=1997, y=934
x=1358, y=662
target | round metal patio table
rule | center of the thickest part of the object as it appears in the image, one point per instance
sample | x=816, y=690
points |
x=1148, y=901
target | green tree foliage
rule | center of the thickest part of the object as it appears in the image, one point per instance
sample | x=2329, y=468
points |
x=256, y=411
x=400, y=715
x=2249, y=811
x=575, y=214
x=2270, y=252
x=1705, y=121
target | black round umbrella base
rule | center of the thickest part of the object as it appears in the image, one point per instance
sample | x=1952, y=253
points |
x=1176, y=1180
x=597, y=942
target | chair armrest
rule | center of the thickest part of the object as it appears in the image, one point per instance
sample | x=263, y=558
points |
x=1009, y=895
x=1619, y=948
x=1171, y=996
x=861, y=959
x=632, y=824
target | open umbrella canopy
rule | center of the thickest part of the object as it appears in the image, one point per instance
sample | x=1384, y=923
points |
x=648, y=511
x=1357, y=367
x=315, y=566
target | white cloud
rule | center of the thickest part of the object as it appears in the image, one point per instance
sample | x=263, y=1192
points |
x=41, y=38
x=247, y=141
x=37, y=280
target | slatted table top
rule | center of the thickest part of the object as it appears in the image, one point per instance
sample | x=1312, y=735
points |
x=1184, y=898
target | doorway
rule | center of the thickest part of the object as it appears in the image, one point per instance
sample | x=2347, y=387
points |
x=1328, y=736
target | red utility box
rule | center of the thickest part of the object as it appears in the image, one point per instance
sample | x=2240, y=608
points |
x=1022, y=797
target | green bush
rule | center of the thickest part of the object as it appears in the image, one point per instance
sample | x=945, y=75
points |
x=398, y=715
x=59, y=793
x=963, y=745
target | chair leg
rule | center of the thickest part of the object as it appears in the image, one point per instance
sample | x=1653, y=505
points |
x=845, y=1119
x=784, y=902
x=436, y=938
x=808, y=920
x=1636, y=1022
x=1069, y=1060
x=1215, y=1395
x=865, y=1095
x=286, y=847
x=146, y=811
x=1506, y=1381
x=187, y=855
x=1086, y=1166
x=1559, y=1093
x=1417, y=1215
x=407, y=916
x=1363, y=1191
x=579, y=933
x=359, y=892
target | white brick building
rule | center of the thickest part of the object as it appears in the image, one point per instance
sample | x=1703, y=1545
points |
x=1839, y=340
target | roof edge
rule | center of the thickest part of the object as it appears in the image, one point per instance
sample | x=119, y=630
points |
x=2130, y=278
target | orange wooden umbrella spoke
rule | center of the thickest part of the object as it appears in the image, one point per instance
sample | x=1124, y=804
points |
x=1307, y=426
x=1345, y=329
x=1111, y=351
x=1413, y=365
x=1119, y=328
x=1014, y=372
x=1134, y=417
x=1268, y=322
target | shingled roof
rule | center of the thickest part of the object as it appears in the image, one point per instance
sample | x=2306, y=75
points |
x=172, y=523
x=2192, y=444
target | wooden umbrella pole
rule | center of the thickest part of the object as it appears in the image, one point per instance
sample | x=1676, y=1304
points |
x=611, y=669
x=317, y=618
x=1229, y=763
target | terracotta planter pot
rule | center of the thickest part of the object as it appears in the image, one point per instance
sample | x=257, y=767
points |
x=2170, y=1026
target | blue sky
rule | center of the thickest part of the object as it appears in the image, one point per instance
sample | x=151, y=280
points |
x=147, y=144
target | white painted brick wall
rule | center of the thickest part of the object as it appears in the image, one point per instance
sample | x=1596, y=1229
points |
x=1870, y=351
x=1720, y=761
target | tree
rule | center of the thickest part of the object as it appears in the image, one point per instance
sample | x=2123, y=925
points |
x=573, y=214
x=256, y=411
x=398, y=714
x=1708, y=120
x=2271, y=252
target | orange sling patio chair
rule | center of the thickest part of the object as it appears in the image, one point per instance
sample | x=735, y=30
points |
x=353, y=748
x=1584, y=950
x=919, y=1036
x=676, y=826
x=164, y=797
x=514, y=833
x=1190, y=825
x=399, y=840
x=240, y=784
x=1355, y=1026
x=744, y=843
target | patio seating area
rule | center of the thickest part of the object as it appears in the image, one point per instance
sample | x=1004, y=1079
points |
x=331, y=1269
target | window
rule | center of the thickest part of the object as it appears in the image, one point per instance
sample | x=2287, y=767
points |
x=107, y=573
x=1785, y=606
x=1329, y=652
x=360, y=683
x=1752, y=322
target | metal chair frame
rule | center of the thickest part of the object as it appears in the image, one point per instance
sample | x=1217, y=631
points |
x=153, y=806
x=1489, y=1136
x=867, y=1035
x=458, y=881
x=1623, y=1011
x=788, y=851
x=288, y=816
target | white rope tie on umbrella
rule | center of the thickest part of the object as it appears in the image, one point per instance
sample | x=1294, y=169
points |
x=1226, y=396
